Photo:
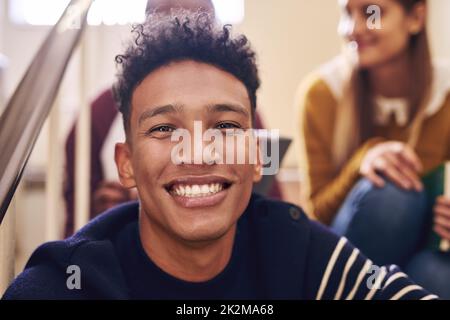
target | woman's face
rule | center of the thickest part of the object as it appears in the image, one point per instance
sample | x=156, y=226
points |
x=379, y=30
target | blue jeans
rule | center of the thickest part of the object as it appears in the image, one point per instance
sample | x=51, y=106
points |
x=431, y=270
x=389, y=225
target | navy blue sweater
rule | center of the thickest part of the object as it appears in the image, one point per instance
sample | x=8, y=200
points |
x=278, y=254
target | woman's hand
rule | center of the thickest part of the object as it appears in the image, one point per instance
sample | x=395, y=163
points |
x=442, y=217
x=396, y=161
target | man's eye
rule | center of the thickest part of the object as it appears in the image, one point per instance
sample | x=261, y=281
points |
x=228, y=125
x=160, y=131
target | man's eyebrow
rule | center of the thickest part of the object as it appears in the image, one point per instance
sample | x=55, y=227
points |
x=226, y=107
x=170, y=108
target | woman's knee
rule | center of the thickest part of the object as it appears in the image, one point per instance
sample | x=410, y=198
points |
x=390, y=205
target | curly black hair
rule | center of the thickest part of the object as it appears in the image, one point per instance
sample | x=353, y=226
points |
x=183, y=35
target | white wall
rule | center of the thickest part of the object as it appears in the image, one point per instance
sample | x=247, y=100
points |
x=291, y=37
x=440, y=28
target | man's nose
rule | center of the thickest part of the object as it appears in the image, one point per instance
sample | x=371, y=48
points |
x=203, y=143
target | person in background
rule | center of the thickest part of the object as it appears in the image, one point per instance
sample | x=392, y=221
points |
x=106, y=191
x=373, y=121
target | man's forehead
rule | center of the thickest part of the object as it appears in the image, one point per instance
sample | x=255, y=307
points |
x=154, y=111
x=190, y=82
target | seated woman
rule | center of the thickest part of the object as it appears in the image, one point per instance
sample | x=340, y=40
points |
x=373, y=121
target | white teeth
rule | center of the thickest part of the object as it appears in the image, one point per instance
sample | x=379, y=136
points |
x=197, y=190
x=205, y=188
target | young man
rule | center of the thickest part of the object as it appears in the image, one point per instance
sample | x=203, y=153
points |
x=197, y=231
x=107, y=127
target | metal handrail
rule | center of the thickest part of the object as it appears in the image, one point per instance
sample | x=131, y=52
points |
x=26, y=111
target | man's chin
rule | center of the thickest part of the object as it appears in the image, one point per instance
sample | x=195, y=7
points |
x=204, y=236
x=199, y=219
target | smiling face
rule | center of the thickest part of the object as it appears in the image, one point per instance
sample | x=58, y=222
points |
x=191, y=202
x=379, y=45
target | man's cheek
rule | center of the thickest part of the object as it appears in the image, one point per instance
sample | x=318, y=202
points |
x=245, y=173
x=153, y=152
x=145, y=168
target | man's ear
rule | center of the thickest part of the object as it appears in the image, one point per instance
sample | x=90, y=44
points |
x=257, y=168
x=417, y=18
x=122, y=156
